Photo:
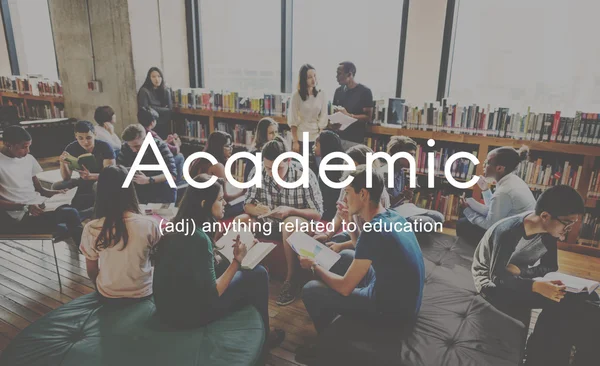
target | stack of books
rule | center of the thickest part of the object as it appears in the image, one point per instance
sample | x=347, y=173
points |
x=31, y=85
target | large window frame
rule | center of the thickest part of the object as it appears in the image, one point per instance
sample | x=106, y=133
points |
x=195, y=51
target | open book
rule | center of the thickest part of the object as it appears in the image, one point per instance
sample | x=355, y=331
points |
x=574, y=284
x=477, y=206
x=341, y=118
x=306, y=246
x=54, y=202
x=84, y=159
x=256, y=253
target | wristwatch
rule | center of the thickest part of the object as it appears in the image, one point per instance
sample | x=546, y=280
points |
x=151, y=180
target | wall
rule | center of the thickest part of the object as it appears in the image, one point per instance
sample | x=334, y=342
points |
x=113, y=50
x=4, y=60
x=424, y=36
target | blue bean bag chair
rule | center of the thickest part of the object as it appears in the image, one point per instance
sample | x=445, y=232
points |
x=86, y=332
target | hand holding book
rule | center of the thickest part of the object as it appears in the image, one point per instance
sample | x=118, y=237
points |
x=239, y=250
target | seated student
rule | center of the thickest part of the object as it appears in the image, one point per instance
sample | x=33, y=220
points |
x=512, y=195
x=151, y=186
x=190, y=289
x=506, y=273
x=279, y=204
x=106, y=118
x=347, y=240
x=382, y=281
x=328, y=142
x=401, y=193
x=22, y=195
x=220, y=146
x=266, y=130
x=118, y=243
x=86, y=143
x=147, y=117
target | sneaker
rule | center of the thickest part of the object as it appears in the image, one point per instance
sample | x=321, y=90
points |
x=306, y=354
x=286, y=295
x=276, y=337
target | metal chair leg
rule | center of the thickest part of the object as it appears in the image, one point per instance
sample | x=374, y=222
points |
x=56, y=264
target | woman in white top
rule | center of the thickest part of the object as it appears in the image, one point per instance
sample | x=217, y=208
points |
x=106, y=118
x=308, y=109
x=117, y=245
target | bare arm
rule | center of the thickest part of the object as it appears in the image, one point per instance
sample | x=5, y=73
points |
x=92, y=269
x=226, y=277
x=344, y=285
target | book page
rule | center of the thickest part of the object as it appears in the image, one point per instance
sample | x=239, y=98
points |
x=574, y=284
x=306, y=246
x=58, y=200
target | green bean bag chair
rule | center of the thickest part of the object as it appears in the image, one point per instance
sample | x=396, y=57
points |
x=85, y=332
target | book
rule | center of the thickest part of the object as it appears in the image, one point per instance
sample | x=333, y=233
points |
x=306, y=246
x=54, y=202
x=574, y=284
x=256, y=252
x=88, y=160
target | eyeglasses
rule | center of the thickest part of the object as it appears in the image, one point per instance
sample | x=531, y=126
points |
x=568, y=225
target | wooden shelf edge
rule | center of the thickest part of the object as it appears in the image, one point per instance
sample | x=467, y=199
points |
x=45, y=98
x=578, y=248
x=231, y=115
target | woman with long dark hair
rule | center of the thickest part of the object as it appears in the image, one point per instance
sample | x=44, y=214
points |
x=266, y=130
x=117, y=244
x=308, y=109
x=326, y=143
x=155, y=94
x=189, y=289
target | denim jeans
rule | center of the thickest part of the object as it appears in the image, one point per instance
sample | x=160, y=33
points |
x=179, y=160
x=324, y=304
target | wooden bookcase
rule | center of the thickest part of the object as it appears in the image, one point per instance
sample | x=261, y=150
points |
x=483, y=143
x=8, y=98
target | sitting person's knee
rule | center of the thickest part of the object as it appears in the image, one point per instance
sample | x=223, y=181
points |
x=312, y=287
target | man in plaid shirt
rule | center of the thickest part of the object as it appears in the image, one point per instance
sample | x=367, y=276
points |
x=282, y=204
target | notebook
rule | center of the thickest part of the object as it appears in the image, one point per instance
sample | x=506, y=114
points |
x=574, y=284
x=306, y=246
x=256, y=253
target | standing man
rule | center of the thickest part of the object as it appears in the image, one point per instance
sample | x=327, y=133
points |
x=354, y=100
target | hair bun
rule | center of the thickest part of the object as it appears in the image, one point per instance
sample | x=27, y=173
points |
x=523, y=152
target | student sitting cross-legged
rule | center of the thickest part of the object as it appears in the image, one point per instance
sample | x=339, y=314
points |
x=22, y=195
x=86, y=143
x=118, y=243
x=282, y=204
x=190, y=288
x=151, y=186
x=382, y=281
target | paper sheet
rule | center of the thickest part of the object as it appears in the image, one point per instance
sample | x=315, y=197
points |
x=306, y=246
x=54, y=202
x=344, y=120
x=409, y=209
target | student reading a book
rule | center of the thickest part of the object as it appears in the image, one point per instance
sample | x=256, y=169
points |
x=151, y=186
x=511, y=197
x=106, y=118
x=308, y=109
x=190, y=288
x=220, y=146
x=401, y=193
x=328, y=142
x=347, y=240
x=507, y=266
x=382, y=281
x=355, y=100
x=154, y=93
x=22, y=196
x=148, y=118
x=272, y=203
x=117, y=244
x=266, y=130
x=88, y=156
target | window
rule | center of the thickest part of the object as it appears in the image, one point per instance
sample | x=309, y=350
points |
x=241, y=43
x=33, y=37
x=367, y=33
x=515, y=54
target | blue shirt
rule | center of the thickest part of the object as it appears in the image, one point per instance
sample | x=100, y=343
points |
x=399, y=268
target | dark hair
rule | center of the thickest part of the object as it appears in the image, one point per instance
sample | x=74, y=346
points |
x=349, y=68
x=303, y=82
x=358, y=153
x=148, y=82
x=215, y=144
x=84, y=127
x=132, y=132
x=272, y=149
x=147, y=115
x=509, y=158
x=15, y=135
x=262, y=128
x=103, y=114
x=400, y=144
x=330, y=142
x=112, y=202
x=191, y=206
x=561, y=200
x=360, y=182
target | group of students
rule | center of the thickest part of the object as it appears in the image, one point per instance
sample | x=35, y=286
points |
x=380, y=275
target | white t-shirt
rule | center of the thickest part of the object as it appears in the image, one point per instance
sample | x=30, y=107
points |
x=16, y=184
x=103, y=135
x=308, y=115
x=124, y=272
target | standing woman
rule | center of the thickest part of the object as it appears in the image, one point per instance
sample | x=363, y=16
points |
x=154, y=93
x=308, y=109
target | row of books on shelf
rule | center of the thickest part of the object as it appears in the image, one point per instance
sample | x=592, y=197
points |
x=540, y=176
x=447, y=204
x=594, y=185
x=191, y=128
x=225, y=101
x=38, y=111
x=31, y=85
x=241, y=134
x=589, y=233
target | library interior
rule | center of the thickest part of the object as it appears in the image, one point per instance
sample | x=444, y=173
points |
x=425, y=182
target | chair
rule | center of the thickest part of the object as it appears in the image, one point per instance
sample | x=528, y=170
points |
x=40, y=237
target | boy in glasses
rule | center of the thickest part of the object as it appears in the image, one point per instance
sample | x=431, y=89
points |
x=508, y=266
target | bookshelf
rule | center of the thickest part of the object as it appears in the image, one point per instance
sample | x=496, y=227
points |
x=31, y=107
x=482, y=144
